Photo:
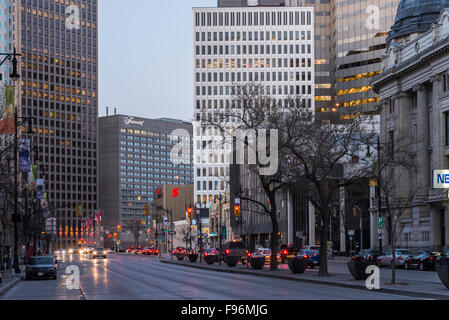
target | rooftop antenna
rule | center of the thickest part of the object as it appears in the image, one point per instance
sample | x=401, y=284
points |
x=115, y=111
x=107, y=111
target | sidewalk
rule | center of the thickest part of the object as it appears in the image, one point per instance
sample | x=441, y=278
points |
x=415, y=288
x=9, y=280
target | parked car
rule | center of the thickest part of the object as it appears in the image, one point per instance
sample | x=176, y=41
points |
x=368, y=256
x=212, y=252
x=314, y=247
x=41, y=267
x=236, y=248
x=386, y=260
x=287, y=252
x=444, y=256
x=131, y=249
x=99, y=252
x=311, y=256
x=423, y=259
x=265, y=252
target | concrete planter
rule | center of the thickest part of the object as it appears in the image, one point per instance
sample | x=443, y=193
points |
x=232, y=261
x=257, y=263
x=443, y=273
x=210, y=259
x=358, y=270
x=193, y=257
x=297, y=265
x=180, y=256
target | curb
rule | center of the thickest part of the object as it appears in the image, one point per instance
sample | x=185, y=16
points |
x=412, y=294
x=5, y=288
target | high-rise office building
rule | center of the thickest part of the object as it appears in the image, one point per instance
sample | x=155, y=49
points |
x=135, y=158
x=359, y=30
x=58, y=87
x=270, y=46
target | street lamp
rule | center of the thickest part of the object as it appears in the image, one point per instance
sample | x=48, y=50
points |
x=15, y=77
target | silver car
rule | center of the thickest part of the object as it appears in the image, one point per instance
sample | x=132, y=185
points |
x=386, y=260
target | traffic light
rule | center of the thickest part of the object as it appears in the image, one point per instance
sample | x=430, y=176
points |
x=147, y=210
x=190, y=213
x=354, y=211
x=119, y=228
x=237, y=211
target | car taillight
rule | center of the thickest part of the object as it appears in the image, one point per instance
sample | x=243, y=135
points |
x=213, y=251
x=285, y=251
x=206, y=254
x=400, y=258
x=305, y=256
x=314, y=254
x=227, y=251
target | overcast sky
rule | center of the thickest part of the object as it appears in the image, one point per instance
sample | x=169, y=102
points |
x=146, y=57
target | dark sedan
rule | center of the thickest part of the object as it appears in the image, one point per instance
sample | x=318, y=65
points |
x=368, y=256
x=423, y=260
x=41, y=267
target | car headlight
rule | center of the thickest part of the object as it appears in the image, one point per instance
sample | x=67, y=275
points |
x=95, y=252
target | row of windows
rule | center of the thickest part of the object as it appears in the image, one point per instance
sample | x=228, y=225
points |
x=253, y=36
x=258, y=49
x=251, y=76
x=213, y=185
x=248, y=63
x=269, y=90
x=145, y=181
x=138, y=174
x=251, y=18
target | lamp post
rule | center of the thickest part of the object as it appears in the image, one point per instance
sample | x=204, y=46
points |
x=15, y=77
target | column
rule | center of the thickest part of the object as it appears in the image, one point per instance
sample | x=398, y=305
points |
x=311, y=224
x=422, y=139
x=290, y=217
x=342, y=220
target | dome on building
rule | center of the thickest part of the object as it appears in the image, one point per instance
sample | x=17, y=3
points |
x=415, y=16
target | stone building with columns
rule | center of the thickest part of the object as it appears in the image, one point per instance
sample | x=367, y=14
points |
x=414, y=102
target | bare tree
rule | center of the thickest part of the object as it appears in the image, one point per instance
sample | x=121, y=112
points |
x=135, y=226
x=396, y=168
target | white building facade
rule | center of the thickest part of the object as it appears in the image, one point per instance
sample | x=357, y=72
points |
x=272, y=47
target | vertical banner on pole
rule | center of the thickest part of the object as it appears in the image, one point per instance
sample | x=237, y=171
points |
x=24, y=155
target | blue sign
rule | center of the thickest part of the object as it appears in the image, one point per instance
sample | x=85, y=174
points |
x=351, y=237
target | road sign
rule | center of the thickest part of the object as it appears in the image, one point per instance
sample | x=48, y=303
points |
x=50, y=226
x=237, y=201
x=351, y=237
x=351, y=232
x=381, y=222
x=379, y=236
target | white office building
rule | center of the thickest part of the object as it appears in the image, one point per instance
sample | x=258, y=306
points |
x=269, y=46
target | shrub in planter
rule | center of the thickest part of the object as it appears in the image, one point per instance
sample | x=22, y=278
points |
x=257, y=262
x=210, y=259
x=358, y=270
x=443, y=273
x=297, y=265
x=193, y=257
x=180, y=256
x=232, y=261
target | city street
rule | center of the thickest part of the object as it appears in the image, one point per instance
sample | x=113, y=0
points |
x=126, y=277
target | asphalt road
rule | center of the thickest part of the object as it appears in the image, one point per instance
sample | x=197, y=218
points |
x=145, y=278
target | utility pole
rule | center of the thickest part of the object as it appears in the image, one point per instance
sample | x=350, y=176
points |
x=221, y=236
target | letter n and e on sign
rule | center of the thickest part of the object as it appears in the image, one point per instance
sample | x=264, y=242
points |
x=441, y=179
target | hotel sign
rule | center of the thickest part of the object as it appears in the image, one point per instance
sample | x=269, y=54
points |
x=130, y=120
x=441, y=179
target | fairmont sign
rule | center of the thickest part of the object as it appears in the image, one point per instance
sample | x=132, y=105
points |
x=130, y=120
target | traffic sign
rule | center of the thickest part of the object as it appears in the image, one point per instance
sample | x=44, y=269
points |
x=351, y=232
x=381, y=222
x=351, y=237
